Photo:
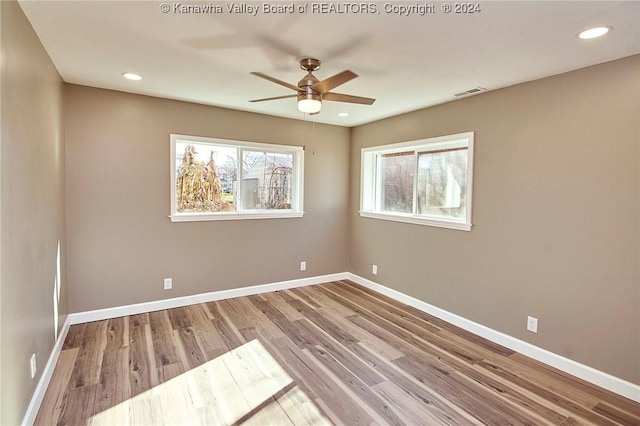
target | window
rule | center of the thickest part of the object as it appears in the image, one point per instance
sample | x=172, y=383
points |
x=428, y=182
x=218, y=179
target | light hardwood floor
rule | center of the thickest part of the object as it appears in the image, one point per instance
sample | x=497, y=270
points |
x=334, y=353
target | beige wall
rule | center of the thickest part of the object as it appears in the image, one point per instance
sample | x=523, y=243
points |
x=556, y=216
x=121, y=242
x=32, y=208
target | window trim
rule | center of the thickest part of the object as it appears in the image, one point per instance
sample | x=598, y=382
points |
x=297, y=181
x=369, y=176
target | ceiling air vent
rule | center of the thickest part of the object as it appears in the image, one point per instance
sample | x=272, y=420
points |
x=473, y=91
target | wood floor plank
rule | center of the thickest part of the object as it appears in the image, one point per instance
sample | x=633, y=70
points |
x=179, y=317
x=138, y=319
x=229, y=335
x=268, y=414
x=340, y=352
x=117, y=333
x=359, y=391
x=409, y=326
x=90, y=354
x=300, y=409
x=617, y=414
x=415, y=390
x=436, y=322
x=114, y=386
x=301, y=294
x=51, y=406
x=546, y=411
x=363, y=300
x=188, y=348
x=365, y=338
x=572, y=386
x=411, y=411
x=528, y=382
x=78, y=405
x=243, y=314
x=142, y=367
x=284, y=306
x=163, y=337
x=226, y=400
x=339, y=408
x=480, y=405
x=320, y=302
x=325, y=323
x=406, y=348
x=75, y=336
x=290, y=329
x=403, y=339
x=335, y=353
x=211, y=344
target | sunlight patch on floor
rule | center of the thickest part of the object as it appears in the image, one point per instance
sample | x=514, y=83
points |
x=243, y=386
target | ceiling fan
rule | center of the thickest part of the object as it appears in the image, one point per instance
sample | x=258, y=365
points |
x=311, y=92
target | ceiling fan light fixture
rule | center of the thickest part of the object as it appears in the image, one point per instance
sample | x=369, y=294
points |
x=309, y=103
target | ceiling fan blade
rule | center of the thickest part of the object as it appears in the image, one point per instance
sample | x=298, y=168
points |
x=339, y=97
x=327, y=84
x=275, y=80
x=274, y=98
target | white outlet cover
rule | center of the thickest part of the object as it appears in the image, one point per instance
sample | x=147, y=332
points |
x=374, y=269
x=303, y=266
x=168, y=283
x=532, y=324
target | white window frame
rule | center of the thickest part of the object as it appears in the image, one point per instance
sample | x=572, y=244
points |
x=369, y=193
x=297, y=181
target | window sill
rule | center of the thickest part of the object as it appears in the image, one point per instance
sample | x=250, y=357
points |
x=198, y=217
x=417, y=220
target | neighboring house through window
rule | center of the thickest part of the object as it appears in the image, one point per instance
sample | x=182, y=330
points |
x=219, y=179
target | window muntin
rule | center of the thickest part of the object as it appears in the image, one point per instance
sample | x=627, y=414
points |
x=218, y=179
x=427, y=181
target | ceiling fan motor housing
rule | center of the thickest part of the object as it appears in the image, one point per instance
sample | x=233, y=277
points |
x=306, y=85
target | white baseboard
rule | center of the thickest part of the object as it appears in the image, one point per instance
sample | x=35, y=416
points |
x=176, y=302
x=591, y=375
x=45, y=378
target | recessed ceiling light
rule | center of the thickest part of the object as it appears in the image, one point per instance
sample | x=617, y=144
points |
x=131, y=76
x=594, y=32
x=343, y=114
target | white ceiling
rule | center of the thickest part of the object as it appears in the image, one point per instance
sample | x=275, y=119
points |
x=405, y=62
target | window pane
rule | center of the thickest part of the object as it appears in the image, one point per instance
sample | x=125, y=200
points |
x=205, y=177
x=396, y=182
x=442, y=183
x=266, y=180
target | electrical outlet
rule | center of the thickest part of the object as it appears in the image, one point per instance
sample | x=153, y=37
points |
x=168, y=283
x=33, y=366
x=374, y=269
x=532, y=324
x=303, y=266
